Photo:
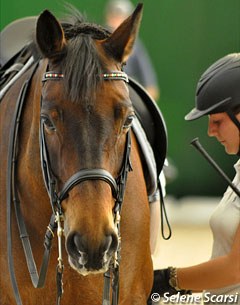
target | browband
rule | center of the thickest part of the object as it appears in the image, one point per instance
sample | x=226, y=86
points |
x=115, y=76
x=52, y=76
x=119, y=75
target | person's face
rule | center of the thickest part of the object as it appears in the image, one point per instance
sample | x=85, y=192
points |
x=226, y=132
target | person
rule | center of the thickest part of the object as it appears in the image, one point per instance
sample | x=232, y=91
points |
x=139, y=65
x=218, y=96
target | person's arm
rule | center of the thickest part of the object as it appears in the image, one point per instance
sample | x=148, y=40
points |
x=216, y=273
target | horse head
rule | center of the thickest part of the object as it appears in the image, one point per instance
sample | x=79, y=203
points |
x=86, y=115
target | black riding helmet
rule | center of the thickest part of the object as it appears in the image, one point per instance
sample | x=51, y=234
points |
x=218, y=89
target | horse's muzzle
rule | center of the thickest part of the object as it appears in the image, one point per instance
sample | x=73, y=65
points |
x=88, y=256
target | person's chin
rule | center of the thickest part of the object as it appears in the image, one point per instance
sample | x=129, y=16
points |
x=231, y=151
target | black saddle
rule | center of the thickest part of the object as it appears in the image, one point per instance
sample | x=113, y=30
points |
x=152, y=121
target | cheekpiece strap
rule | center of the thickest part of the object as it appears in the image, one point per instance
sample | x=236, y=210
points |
x=52, y=76
x=115, y=76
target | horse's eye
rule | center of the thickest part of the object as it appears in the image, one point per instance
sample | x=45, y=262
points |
x=128, y=121
x=48, y=123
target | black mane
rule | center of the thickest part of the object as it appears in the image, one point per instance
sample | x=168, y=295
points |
x=81, y=64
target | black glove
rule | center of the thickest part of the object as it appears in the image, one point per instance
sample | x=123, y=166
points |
x=161, y=283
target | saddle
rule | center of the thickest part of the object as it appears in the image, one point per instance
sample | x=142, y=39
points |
x=149, y=128
x=151, y=120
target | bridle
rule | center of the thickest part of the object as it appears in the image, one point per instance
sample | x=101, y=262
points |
x=117, y=185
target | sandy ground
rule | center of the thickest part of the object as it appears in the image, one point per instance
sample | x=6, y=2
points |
x=191, y=239
x=189, y=245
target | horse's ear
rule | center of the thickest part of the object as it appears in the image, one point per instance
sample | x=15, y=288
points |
x=50, y=36
x=120, y=43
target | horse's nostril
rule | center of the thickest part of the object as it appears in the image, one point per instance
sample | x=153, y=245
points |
x=106, y=244
x=91, y=253
x=75, y=244
x=79, y=243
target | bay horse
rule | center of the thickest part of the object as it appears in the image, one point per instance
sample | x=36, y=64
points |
x=65, y=151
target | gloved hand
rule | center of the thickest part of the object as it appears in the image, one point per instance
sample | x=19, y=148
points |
x=161, y=283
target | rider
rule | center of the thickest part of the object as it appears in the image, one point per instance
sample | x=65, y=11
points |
x=218, y=96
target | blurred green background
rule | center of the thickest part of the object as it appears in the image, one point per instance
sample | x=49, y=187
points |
x=183, y=38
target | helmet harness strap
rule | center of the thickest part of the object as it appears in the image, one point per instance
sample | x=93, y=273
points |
x=236, y=122
x=233, y=118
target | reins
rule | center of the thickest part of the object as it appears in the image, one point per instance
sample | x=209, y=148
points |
x=12, y=199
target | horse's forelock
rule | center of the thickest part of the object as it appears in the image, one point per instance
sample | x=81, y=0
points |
x=82, y=66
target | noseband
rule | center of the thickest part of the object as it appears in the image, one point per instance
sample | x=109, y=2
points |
x=117, y=187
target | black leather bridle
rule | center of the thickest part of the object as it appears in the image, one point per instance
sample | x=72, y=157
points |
x=84, y=174
x=117, y=186
x=56, y=197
